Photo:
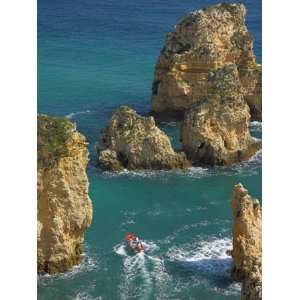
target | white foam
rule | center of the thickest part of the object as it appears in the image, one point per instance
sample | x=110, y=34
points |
x=150, y=246
x=134, y=269
x=133, y=174
x=86, y=296
x=163, y=175
x=208, y=261
x=233, y=289
x=145, y=173
x=160, y=276
x=74, y=114
x=256, y=126
x=142, y=273
x=256, y=123
x=246, y=168
x=88, y=264
x=256, y=157
x=120, y=249
x=209, y=256
x=198, y=172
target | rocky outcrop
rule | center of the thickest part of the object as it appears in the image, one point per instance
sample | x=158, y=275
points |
x=64, y=207
x=247, y=243
x=215, y=130
x=251, y=80
x=203, y=41
x=134, y=142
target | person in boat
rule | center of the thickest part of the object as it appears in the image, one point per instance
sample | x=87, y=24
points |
x=134, y=243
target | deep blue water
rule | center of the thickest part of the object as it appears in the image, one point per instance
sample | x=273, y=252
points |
x=92, y=57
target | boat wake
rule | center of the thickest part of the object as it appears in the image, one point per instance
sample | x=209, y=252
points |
x=148, y=275
x=143, y=274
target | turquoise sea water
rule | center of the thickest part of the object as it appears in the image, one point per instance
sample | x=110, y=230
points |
x=92, y=57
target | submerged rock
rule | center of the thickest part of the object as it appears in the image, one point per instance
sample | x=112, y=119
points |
x=64, y=207
x=247, y=243
x=203, y=41
x=134, y=142
x=215, y=130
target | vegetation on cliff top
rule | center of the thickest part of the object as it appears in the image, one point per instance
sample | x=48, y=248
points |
x=53, y=134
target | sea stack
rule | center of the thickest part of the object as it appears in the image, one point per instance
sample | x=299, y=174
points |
x=64, y=206
x=203, y=41
x=215, y=130
x=134, y=142
x=247, y=243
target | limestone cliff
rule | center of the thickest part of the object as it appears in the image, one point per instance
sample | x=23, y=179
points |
x=64, y=207
x=203, y=41
x=135, y=142
x=247, y=243
x=215, y=130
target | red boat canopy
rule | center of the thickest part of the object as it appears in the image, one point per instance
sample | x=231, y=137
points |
x=130, y=236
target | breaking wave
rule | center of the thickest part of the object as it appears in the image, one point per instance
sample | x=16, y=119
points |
x=209, y=256
x=256, y=126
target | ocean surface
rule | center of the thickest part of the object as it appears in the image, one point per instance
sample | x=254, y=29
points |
x=94, y=56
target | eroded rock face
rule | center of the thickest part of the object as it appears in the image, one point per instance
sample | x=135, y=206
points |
x=215, y=130
x=135, y=142
x=203, y=41
x=64, y=207
x=247, y=243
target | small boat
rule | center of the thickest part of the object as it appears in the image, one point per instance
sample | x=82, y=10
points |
x=134, y=243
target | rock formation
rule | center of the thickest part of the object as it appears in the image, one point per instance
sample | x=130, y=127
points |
x=135, y=142
x=215, y=130
x=247, y=243
x=64, y=207
x=203, y=41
